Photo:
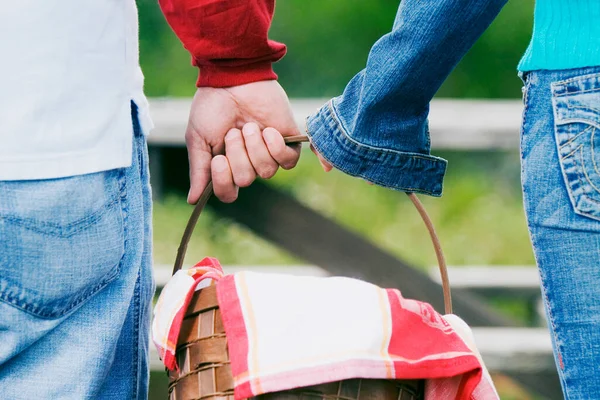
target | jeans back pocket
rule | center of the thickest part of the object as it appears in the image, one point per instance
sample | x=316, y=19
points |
x=576, y=104
x=61, y=240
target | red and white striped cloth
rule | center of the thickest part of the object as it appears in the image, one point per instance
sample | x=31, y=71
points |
x=288, y=331
x=174, y=300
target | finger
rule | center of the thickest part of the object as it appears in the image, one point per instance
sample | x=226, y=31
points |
x=235, y=151
x=264, y=165
x=286, y=156
x=324, y=163
x=199, y=156
x=223, y=185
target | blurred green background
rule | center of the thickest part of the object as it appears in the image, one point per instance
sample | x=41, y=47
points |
x=328, y=42
x=479, y=218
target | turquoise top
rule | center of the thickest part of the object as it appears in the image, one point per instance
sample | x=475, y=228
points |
x=566, y=34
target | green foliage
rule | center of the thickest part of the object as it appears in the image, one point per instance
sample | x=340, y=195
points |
x=489, y=69
x=328, y=42
x=166, y=65
x=480, y=218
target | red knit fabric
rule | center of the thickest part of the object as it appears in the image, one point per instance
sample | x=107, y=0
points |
x=228, y=40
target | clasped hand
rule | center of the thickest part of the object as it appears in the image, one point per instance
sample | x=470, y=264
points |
x=236, y=134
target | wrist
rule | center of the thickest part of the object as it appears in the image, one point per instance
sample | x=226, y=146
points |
x=226, y=76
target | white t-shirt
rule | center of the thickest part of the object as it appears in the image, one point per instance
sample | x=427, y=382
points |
x=68, y=71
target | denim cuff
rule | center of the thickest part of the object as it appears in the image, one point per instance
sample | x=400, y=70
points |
x=403, y=171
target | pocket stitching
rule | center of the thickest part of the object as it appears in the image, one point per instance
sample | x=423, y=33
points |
x=575, y=79
x=578, y=92
x=12, y=298
x=594, y=152
x=592, y=109
x=65, y=231
x=572, y=153
x=568, y=142
x=579, y=169
x=589, y=181
x=583, y=194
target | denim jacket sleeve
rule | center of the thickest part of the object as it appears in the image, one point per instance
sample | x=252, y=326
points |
x=377, y=129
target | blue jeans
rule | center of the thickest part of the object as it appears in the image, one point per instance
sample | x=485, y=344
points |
x=561, y=188
x=76, y=284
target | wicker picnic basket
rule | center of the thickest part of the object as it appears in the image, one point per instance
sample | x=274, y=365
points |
x=202, y=353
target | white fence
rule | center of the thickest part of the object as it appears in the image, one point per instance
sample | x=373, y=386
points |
x=454, y=124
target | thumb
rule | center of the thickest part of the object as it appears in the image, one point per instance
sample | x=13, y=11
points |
x=324, y=163
x=199, y=156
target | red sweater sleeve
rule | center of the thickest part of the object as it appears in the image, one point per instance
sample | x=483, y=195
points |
x=228, y=39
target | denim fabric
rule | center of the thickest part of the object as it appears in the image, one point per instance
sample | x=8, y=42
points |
x=76, y=284
x=377, y=129
x=561, y=188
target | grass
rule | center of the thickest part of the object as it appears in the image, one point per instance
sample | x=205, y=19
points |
x=479, y=219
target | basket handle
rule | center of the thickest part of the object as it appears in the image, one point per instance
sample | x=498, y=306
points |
x=208, y=191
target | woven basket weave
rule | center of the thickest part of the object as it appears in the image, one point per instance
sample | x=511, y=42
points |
x=203, y=358
x=205, y=370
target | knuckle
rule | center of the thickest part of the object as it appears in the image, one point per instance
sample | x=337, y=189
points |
x=267, y=171
x=289, y=164
x=250, y=129
x=227, y=198
x=244, y=180
x=233, y=136
x=226, y=195
x=190, y=137
x=277, y=152
x=287, y=159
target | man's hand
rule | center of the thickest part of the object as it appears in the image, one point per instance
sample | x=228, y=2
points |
x=236, y=134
